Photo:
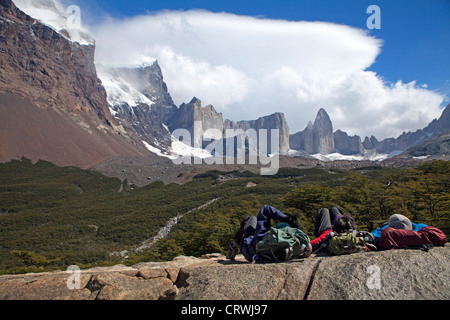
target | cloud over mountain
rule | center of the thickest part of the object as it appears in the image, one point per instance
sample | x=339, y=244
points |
x=249, y=67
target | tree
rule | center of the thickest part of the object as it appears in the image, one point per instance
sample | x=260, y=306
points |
x=431, y=192
x=32, y=259
x=309, y=199
x=356, y=197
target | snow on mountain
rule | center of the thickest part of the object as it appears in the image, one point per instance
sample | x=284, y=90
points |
x=359, y=157
x=157, y=151
x=178, y=150
x=67, y=22
x=119, y=90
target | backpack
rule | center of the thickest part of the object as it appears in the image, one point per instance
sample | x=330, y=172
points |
x=283, y=243
x=350, y=242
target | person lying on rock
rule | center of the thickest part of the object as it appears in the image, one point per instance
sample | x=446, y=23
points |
x=330, y=223
x=326, y=220
x=400, y=232
x=253, y=230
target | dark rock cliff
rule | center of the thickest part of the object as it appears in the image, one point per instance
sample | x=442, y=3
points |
x=52, y=104
x=147, y=120
x=347, y=145
x=187, y=114
x=317, y=137
x=320, y=138
x=411, y=139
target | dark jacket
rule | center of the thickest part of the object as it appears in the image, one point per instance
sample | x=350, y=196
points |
x=251, y=239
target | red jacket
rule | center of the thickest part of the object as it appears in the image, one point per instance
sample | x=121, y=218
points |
x=317, y=242
x=398, y=238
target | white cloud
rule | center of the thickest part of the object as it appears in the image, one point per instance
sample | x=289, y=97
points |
x=250, y=67
x=221, y=85
x=364, y=104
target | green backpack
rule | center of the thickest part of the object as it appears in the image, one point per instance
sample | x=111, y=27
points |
x=283, y=243
x=352, y=242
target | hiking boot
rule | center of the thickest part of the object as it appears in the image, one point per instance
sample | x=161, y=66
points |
x=232, y=251
x=307, y=252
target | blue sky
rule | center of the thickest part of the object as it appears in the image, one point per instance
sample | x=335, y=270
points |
x=252, y=58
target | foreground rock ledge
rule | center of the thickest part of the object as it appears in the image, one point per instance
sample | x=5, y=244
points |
x=395, y=274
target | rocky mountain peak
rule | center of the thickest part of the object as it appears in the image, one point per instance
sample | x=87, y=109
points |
x=370, y=143
x=319, y=138
x=54, y=15
x=323, y=119
x=44, y=60
x=135, y=84
x=441, y=125
x=274, y=121
x=39, y=62
x=322, y=114
x=186, y=116
x=195, y=101
x=411, y=139
x=52, y=103
x=323, y=133
x=347, y=145
x=153, y=85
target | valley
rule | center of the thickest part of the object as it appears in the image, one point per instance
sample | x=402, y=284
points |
x=53, y=217
x=91, y=159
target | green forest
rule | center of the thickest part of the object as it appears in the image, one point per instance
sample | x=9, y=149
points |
x=52, y=217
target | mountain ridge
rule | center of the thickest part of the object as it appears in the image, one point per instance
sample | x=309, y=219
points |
x=130, y=112
x=164, y=117
x=52, y=103
x=319, y=138
x=408, y=140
